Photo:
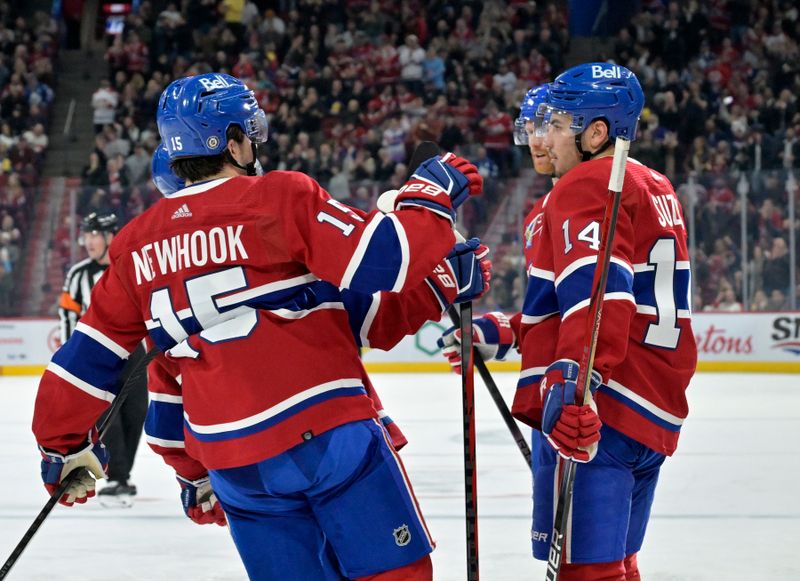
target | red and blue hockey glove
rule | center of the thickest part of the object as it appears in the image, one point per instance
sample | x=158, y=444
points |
x=441, y=177
x=200, y=503
x=492, y=337
x=463, y=275
x=573, y=430
x=92, y=459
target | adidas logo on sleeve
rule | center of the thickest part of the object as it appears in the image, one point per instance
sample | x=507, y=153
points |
x=182, y=212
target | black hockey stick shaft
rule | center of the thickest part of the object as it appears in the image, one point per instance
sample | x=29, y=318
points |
x=497, y=397
x=426, y=150
x=139, y=370
x=470, y=468
x=594, y=316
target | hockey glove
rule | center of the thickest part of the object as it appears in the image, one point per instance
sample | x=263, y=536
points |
x=463, y=275
x=573, y=430
x=492, y=337
x=92, y=460
x=440, y=177
x=200, y=503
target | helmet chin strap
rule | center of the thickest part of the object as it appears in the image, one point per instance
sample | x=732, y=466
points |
x=252, y=167
x=587, y=155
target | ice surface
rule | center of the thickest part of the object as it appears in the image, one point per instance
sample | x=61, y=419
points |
x=725, y=508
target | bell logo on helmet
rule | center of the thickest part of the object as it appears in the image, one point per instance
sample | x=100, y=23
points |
x=600, y=72
x=211, y=84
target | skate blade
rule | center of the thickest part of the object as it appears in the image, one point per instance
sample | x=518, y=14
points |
x=118, y=501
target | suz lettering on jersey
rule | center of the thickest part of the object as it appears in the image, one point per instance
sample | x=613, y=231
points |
x=217, y=245
x=668, y=209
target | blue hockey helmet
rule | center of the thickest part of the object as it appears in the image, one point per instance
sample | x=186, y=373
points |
x=598, y=91
x=194, y=114
x=165, y=179
x=533, y=109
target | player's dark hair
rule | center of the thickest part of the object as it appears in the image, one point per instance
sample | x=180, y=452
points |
x=196, y=169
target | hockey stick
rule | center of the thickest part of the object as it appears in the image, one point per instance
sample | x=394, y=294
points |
x=426, y=150
x=138, y=371
x=499, y=401
x=595, y=313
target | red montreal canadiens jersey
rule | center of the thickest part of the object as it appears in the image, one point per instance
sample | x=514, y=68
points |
x=539, y=359
x=646, y=350
x=261, y=290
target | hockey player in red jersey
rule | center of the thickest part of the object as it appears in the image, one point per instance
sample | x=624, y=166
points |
x=646, y=352
x=494, y=334
x=379, y=321
x=238, y=279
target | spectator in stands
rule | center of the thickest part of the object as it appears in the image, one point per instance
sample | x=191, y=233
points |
x=37, y=138
x=94, y=174
x=411, y=56
x=776, y=267
x=104, y=102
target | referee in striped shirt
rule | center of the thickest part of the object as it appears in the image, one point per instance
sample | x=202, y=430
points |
x=122, y=438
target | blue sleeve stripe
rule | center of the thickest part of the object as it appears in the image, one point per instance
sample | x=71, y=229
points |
x=540, y=298
x=361, y=309
x=381, y=263
x=79, y=383
x=577, y=286
x=531, y=376
x=164, y=421
x=91, y=362
x=105, y=341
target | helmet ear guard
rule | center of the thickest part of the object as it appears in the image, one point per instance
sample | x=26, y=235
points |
x=164, y=178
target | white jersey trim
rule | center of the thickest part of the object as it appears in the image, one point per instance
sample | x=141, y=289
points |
x=288, y=314
x=198, y=188
x=535, y=319
x=619, y=296
x=539, y=273
x=402, y=238
x=367, y=324
x=77, y=382
x=649, y=406
x=251, y=293
x=530, y=372
x=274, y=410
x=109, y=344
x=166, y=398
x=585, y=261
x=165, y=443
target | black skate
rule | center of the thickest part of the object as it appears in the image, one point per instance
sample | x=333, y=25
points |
x=117, y=494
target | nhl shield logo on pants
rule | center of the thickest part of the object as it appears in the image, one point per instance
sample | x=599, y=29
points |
x=402, y=536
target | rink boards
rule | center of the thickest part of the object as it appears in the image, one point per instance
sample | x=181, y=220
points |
x=727, y=342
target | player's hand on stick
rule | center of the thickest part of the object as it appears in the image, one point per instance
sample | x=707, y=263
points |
x=200, y=503
x=492, y=337
x=439, y=177
x=92, y=460
x=463, y=275
x=573, y=430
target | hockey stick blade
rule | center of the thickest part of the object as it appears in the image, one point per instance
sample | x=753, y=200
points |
x=594, y=315
x=139, y=370
x=424, y=151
